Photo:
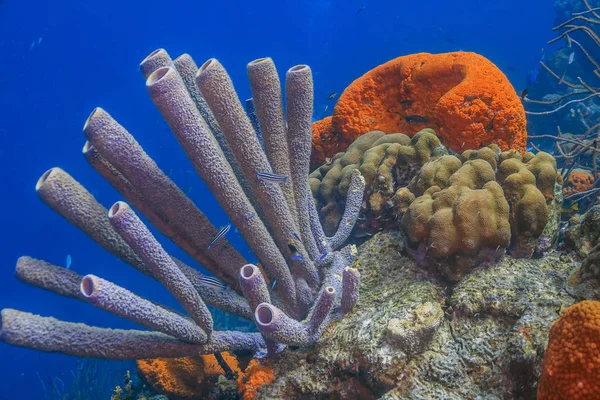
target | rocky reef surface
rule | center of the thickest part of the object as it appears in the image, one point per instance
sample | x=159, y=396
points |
x=413, y=335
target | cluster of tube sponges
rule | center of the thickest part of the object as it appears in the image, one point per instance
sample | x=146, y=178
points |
x=457, y=210
x=276, y=217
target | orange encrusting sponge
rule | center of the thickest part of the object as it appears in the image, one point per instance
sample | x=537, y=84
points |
x=571, y=367
x=463, y=96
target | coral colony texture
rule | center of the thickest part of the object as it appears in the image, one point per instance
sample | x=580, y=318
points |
x=463, y=266
x=313, y=282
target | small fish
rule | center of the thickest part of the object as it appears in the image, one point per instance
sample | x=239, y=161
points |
x=331, y=96
x=187, y=190
x=212, y=281
x=32, y=45
x=170, y=172
x=274, y=283
x=326, y=107
x=189, y=171
x=562, y=78
x=296, y=236
x=406, y=103
x=568, y=40
x=270, y=177
x=220, y=235
x=571, y=57
x=524, y=94
x=323, y=256
x=416, y=119
x=361, y=9
x=297, y=257
x=39, y=41
x=251, y=215
x=68, y=262
x=292, y=248
x=328, y=160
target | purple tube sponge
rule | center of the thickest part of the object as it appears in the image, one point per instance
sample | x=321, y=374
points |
x=119, y=301
x=50, y=334
x=350, y=284
x=44, y=275
x=137, y=235
x=254, y=286
x=275, y=325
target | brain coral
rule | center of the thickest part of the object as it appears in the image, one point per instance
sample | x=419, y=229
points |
x=456, y=211
x=461, y=95
x=571, y=363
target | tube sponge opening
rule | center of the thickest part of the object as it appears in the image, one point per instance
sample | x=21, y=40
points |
x=114, y=210
x=248, y=270
x=297, y=68
x=43, y=178
x=152, y=55
x=88, y=121
x=264, y=314
x=259, y=60
x=206, y=65
x=87, y=285
x=158, y=75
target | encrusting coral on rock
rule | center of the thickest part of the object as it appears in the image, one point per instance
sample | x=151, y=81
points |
x=488, y=344
x=461, y=95
x=268, y=201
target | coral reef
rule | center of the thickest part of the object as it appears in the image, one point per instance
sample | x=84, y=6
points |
x=571, y=364
x=488, y=345
x=563, y=98
x=433, y=194
x=268, y=200
x=578, y=181
x=583, y=232
x=462, y=95
x=185, y=378
x=582, y=236
x=253, y=378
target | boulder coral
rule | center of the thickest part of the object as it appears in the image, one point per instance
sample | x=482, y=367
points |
x=456, y=211
x=461, y=95
x=571, y=364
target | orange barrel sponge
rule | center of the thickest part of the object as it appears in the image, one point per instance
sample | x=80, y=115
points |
x=462, y=96
x=324, y=142
x=572, y=362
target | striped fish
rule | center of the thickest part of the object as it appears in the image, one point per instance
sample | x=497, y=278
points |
x=213, y=282
x=323, y=256
x=219, y=236
x=270, y=177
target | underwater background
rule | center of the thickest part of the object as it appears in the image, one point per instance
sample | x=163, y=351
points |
x=59, y=60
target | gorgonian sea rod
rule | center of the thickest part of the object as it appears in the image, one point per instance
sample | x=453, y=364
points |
x=276, y=217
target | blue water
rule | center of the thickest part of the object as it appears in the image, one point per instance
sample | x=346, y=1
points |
x=88, y=57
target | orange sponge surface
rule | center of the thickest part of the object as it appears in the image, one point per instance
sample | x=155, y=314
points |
x=572, y=361
x=462, y=96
